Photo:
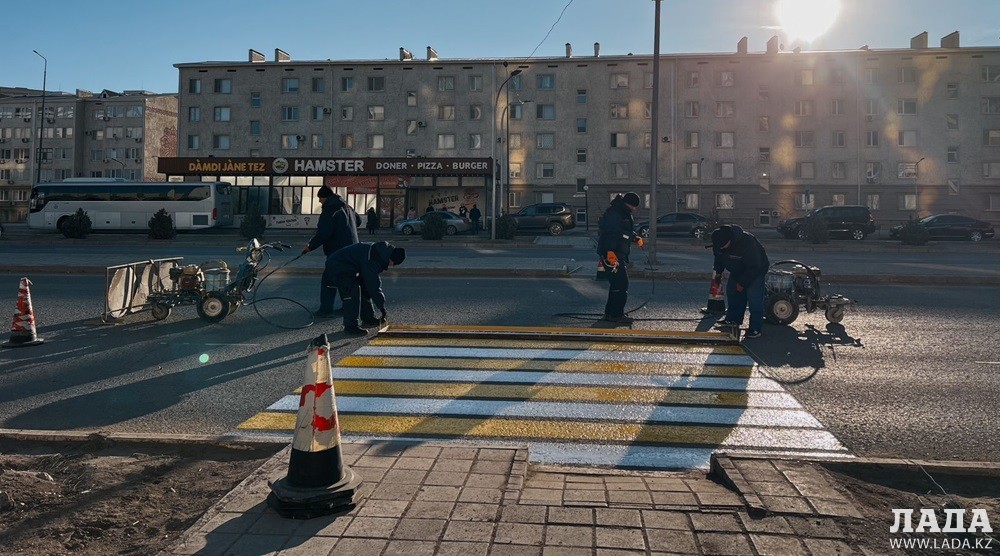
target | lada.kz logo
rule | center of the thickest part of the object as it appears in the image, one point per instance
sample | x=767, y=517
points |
x=280, y=165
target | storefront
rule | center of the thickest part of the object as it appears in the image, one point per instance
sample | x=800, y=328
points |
x=284, y=189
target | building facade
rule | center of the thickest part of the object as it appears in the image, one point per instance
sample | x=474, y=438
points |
x=107, y=134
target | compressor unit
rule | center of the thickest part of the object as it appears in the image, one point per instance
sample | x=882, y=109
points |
x=791, y=286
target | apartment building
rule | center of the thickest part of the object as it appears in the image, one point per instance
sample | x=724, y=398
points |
x=107, y=134
x=756, y=136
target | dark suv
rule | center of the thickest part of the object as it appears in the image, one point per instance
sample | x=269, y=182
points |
x=554, y=217
x=853, y=221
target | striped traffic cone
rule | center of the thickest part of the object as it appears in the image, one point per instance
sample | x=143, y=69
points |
x=602, y=271
x=318, y=483
x=22, y=330
x=716, y=299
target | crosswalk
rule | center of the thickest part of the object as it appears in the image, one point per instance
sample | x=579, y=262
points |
x=621, y=398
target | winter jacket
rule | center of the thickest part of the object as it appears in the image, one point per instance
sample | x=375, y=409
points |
x=337, y=226
x=616, y=230
x=366, y=260
x=745, y=259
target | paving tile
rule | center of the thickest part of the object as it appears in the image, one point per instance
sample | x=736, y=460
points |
x=574, y=516
x=257, y=544
x=724, y=544
x=438, y=493
x=458, y=465
x=585, y=479
x=569, y=535
x=787, y=504
x=375, y=461
x=618, y=552
x=663, y=519
x=519, y=533
x=404, y=476
x=419, y=529
x=827, y=547
x=370, y=475
x=445, y=478
x=607, y=517
x=667, y=485
x=726, y=499
x=383, y=508
x=422, y=451
x=406, y=462
x=704, y=522
x=449, y=452
x=835, y=508
x=674, y=499
x=566, y=551
x=229, y=522
x=585, y=486
x=353, y=447
x=481, y=495
x=543, y=495
x=514, y=513
x=373, y=527
x=307, y=546
x=450, y=548
x=269, y=523
x=671, y=541
x=471, y=531
x=777, y=545
x=323, y=527
x=387, y=491
x=430, y=510
x=491, y=467
x=409, y=548
x=482, y=480
x=783, y=488
x=359, y=547
x=816, y=527
x=391, y=448
x=617, y=537
x=213, y=543
x=817, y=490
x=492, y=454
x=637, y=485
x=546, y=484
x=589, y=496
x=609, y=479
x=770, y=524
x=514, y=550
x=470, y=511
x=630, y=497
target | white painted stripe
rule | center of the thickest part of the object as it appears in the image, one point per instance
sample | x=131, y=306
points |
x=633, y=413
x=558, y=354
x=544, y=377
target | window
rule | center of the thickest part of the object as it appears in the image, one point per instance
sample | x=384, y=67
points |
x=872, y=201
x=581, y=185
x=475, y=112
x=347, y=84
x=222, y=113
x=194, y=114
x=516, y=111
x=545, y=141
x=725, y=170
x=906, y=75
x=517, y=82
x=515, y=170
x=515, y=140
x=194, y=86
x=907, y=201
x=692, y=170
x=805, y=170
x=763, y=93
x=254, y=100
x=224, y=86
x=839, y=139
x=347, y=113
x=316, y=113
x=545, y=170
x=647, y=110
x=873, y=171
x=647, y=80
x=906, y=106
x=254, y=127
x=347, y=141
x=907, y=138
x=290, y=85
x=446, y=83
x=475, y=141
x=619, y=111
x=693, y=79
x=804, y=77
x=691, y=109
x=289, y=141
x=619, y=81
x=376, y=113
x=316, y=141
x=545, y=82
x=318, y=84
x=725, y=139
x=514, y=197
x=691, y=140
x=990, y=74
x=581, y=125
x=805, y=201
x=619, y=170
x=991, y=170
x=376, y=83
x=837, y=76
x=951, y=92
x=836, y=107
x=475, y=82
x=763, y=123
x=725, y=109
x=290, y=113
x=446, y=112
x=581, y=96
x=906, y=170
x=691, y=201
x=870, y=76
x=194, y=142
x=446, y=141
x=952, y=155
x=803, y=108
x=764, y=155
x=804, y=139
x=581, y=155
x=727, y=78
x=838, y=170
x=545, y=112
x=647, y=141
x=376, y=141
x=725, y=201
x=990, y=105
x=220, y=142
x=411, y=127
x=871, y=138
x=411, y=98
x=619, y=140
x=991, y=137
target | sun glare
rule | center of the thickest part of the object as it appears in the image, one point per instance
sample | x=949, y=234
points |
x=806, y=19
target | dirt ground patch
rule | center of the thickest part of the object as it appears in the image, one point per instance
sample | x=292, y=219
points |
x=102, y=497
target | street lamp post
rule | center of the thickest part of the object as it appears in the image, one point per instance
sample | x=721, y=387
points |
x=41, y=119
x=493, y=197
x=586, y=205
x=916, y=192
x=700, y=164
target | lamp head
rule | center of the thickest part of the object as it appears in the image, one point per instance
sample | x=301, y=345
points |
x=515, y=72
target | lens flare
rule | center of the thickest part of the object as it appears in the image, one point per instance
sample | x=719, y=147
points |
x=203, y=358
x=806, y=19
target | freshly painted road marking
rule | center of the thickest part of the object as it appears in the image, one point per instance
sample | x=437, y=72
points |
x=546, y=365
x=568, y=354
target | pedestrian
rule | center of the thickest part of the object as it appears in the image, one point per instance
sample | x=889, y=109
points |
x=354, y=271
x=412, y=213
x=372, y=223
x=336, y=228
x=463, y=212
x=616, y=232
x=475, y=215
x=430, y=208
x=744, y=257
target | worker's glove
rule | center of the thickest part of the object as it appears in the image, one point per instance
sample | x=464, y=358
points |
x=639, y=241
x=611, y=259
x=739, y=287
x=305, y=249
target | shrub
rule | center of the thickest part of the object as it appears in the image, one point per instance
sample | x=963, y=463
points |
x=816, y=230
x=161, y=225
x=506, y=227
x=434, y=227
x=253, y=224
x=78, y=225
x=913, y=233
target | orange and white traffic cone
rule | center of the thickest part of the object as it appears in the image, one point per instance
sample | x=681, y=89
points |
x=22, y=330
x=602, y=271
x=318, y=483
x=716, y=299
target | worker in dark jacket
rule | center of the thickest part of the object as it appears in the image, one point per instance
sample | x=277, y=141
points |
x=614, y=241
x=354, y=271
x=744, y=257
x=337, y=228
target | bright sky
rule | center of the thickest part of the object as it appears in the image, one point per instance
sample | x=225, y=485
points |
x=124, y=44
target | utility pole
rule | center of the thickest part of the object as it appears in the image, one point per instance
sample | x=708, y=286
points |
x=41, y=120
x=654, y=137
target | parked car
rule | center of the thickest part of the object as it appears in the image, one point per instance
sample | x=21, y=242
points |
x=684, y=223
x=951, y=226
x=554, y=217
x=853, y=221
x=454, y=223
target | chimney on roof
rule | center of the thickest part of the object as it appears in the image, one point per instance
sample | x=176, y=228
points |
x=256, y=56
x=919, y=41
x=950, y=40
x=569, y=50
x=404, y=54
x=432, y=54
x=597, y=49
x=772, y=45
x=281, y=56
x=863, y=47
x=741, y=47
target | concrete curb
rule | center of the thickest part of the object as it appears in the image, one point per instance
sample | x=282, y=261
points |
x=140, y=438
x=950, y=467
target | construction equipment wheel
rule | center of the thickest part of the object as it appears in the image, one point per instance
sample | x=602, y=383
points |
x=160, y=311
x=781, y=309
x=835, y=314
x=213, y=307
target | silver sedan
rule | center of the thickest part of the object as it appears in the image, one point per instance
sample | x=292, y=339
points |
x=453, y=223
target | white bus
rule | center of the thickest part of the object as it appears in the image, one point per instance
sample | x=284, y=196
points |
x=117, y=204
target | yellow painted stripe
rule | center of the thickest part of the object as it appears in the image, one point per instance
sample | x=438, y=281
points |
x=382, y=425
x=645, y=369
x=556, y=344
x=468, y=390
x=556, y=330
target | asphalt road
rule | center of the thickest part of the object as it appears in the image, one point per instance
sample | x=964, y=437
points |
x=914, y=372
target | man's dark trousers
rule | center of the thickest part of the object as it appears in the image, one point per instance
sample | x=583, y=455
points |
x=357, y=302
x=617, y=291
